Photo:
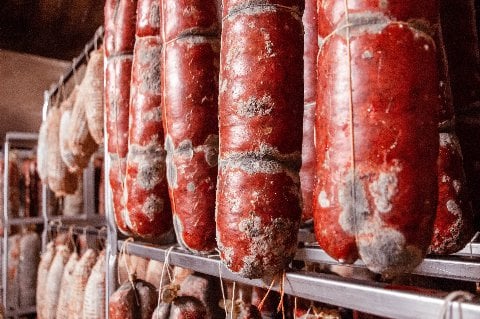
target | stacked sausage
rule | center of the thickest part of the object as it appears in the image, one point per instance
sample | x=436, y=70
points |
x=377, y=125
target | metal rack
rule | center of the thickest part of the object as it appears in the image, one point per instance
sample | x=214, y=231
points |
x=11, y=140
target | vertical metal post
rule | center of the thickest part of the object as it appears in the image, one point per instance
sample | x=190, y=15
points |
x=6, y=154
x=89, y=191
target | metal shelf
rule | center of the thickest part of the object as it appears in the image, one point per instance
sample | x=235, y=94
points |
x=366, y=296
x=451, y=267
x=81, y=220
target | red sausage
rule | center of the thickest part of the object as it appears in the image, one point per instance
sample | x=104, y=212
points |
x=260, y=118
x=384, y=211
x=146, y=190
x=191, y=57
x=310, y=45
x=120, y=16
x=454, y=220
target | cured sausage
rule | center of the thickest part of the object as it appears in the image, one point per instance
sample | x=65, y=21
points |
x=30, y=246
x=120, y=17
x=45, y=262
x=94, y=301
x=260, y=120
x=54, y=279
x=79, y=282
x=191, y=33
x=122, y=303
x=146, y=191
x=377, y=191
x=310, y=45
x=65, y=287
x=93, y=95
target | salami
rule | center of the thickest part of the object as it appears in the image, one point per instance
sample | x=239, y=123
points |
x=154, y=274
x=146, y=190
x=93, y=95
x=181, y=308
x=120, y=17
x=73, y=162
x=94, y=301
x=310, y=45
x=260, y=119
x=122, y=303
x=13, y=271
x=13, y=186
x=453, y=227
x=45, y=262
x=81, y=143
x=191, y=33
x=42, y=152
x=73, y=204
x=377, y=193
x=206, y=289
x=60, y=180
x=147, y=298
x=80, y=276
x=66, y=287
x=30, y=246
x=54, y=279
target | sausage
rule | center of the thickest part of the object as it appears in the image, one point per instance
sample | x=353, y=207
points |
x=79, y=282
x=120, y=17
x=258, y=208
x=453, y=227
x=122, y=303
x=93, y=95
x=42, y=152
x=13, y=296
x=310, y=45
x=154, y=274
x=30, y=246
x=183, y=307
x=54, y=279
x=94, y=301
x=147, y=297
x=206, y=289
x=381, y=205
x=191, y=33
x=73, y=204
x=60, y=180
x=461, y=45
x=81, y=142
x=146, y=190
x=45, y=262
x=66, y=153
x=65, y=287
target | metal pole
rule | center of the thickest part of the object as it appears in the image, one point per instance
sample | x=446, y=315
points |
x=5, y=225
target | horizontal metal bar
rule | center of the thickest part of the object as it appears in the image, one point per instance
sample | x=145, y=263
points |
x=21, y=136
x=25, y=221
x=365, y=296
x=95, y=220
x=79, y=230
x=451, y=267
x=472, y=249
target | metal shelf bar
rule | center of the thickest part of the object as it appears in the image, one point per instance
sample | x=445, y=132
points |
x=92, y=220
x=26, y=221
x=79, y=230
x=368, y=297
x=451, y=267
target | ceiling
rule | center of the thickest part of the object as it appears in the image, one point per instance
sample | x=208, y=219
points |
x=38, y=41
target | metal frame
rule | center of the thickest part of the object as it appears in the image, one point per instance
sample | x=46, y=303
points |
x=10, y=138
x=366, y=296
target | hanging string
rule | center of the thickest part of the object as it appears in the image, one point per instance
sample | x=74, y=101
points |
x=222, y=288
x=166, y=266
x=458, y=296
x=262, y=302
x=232, y=308
x=281, y=304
